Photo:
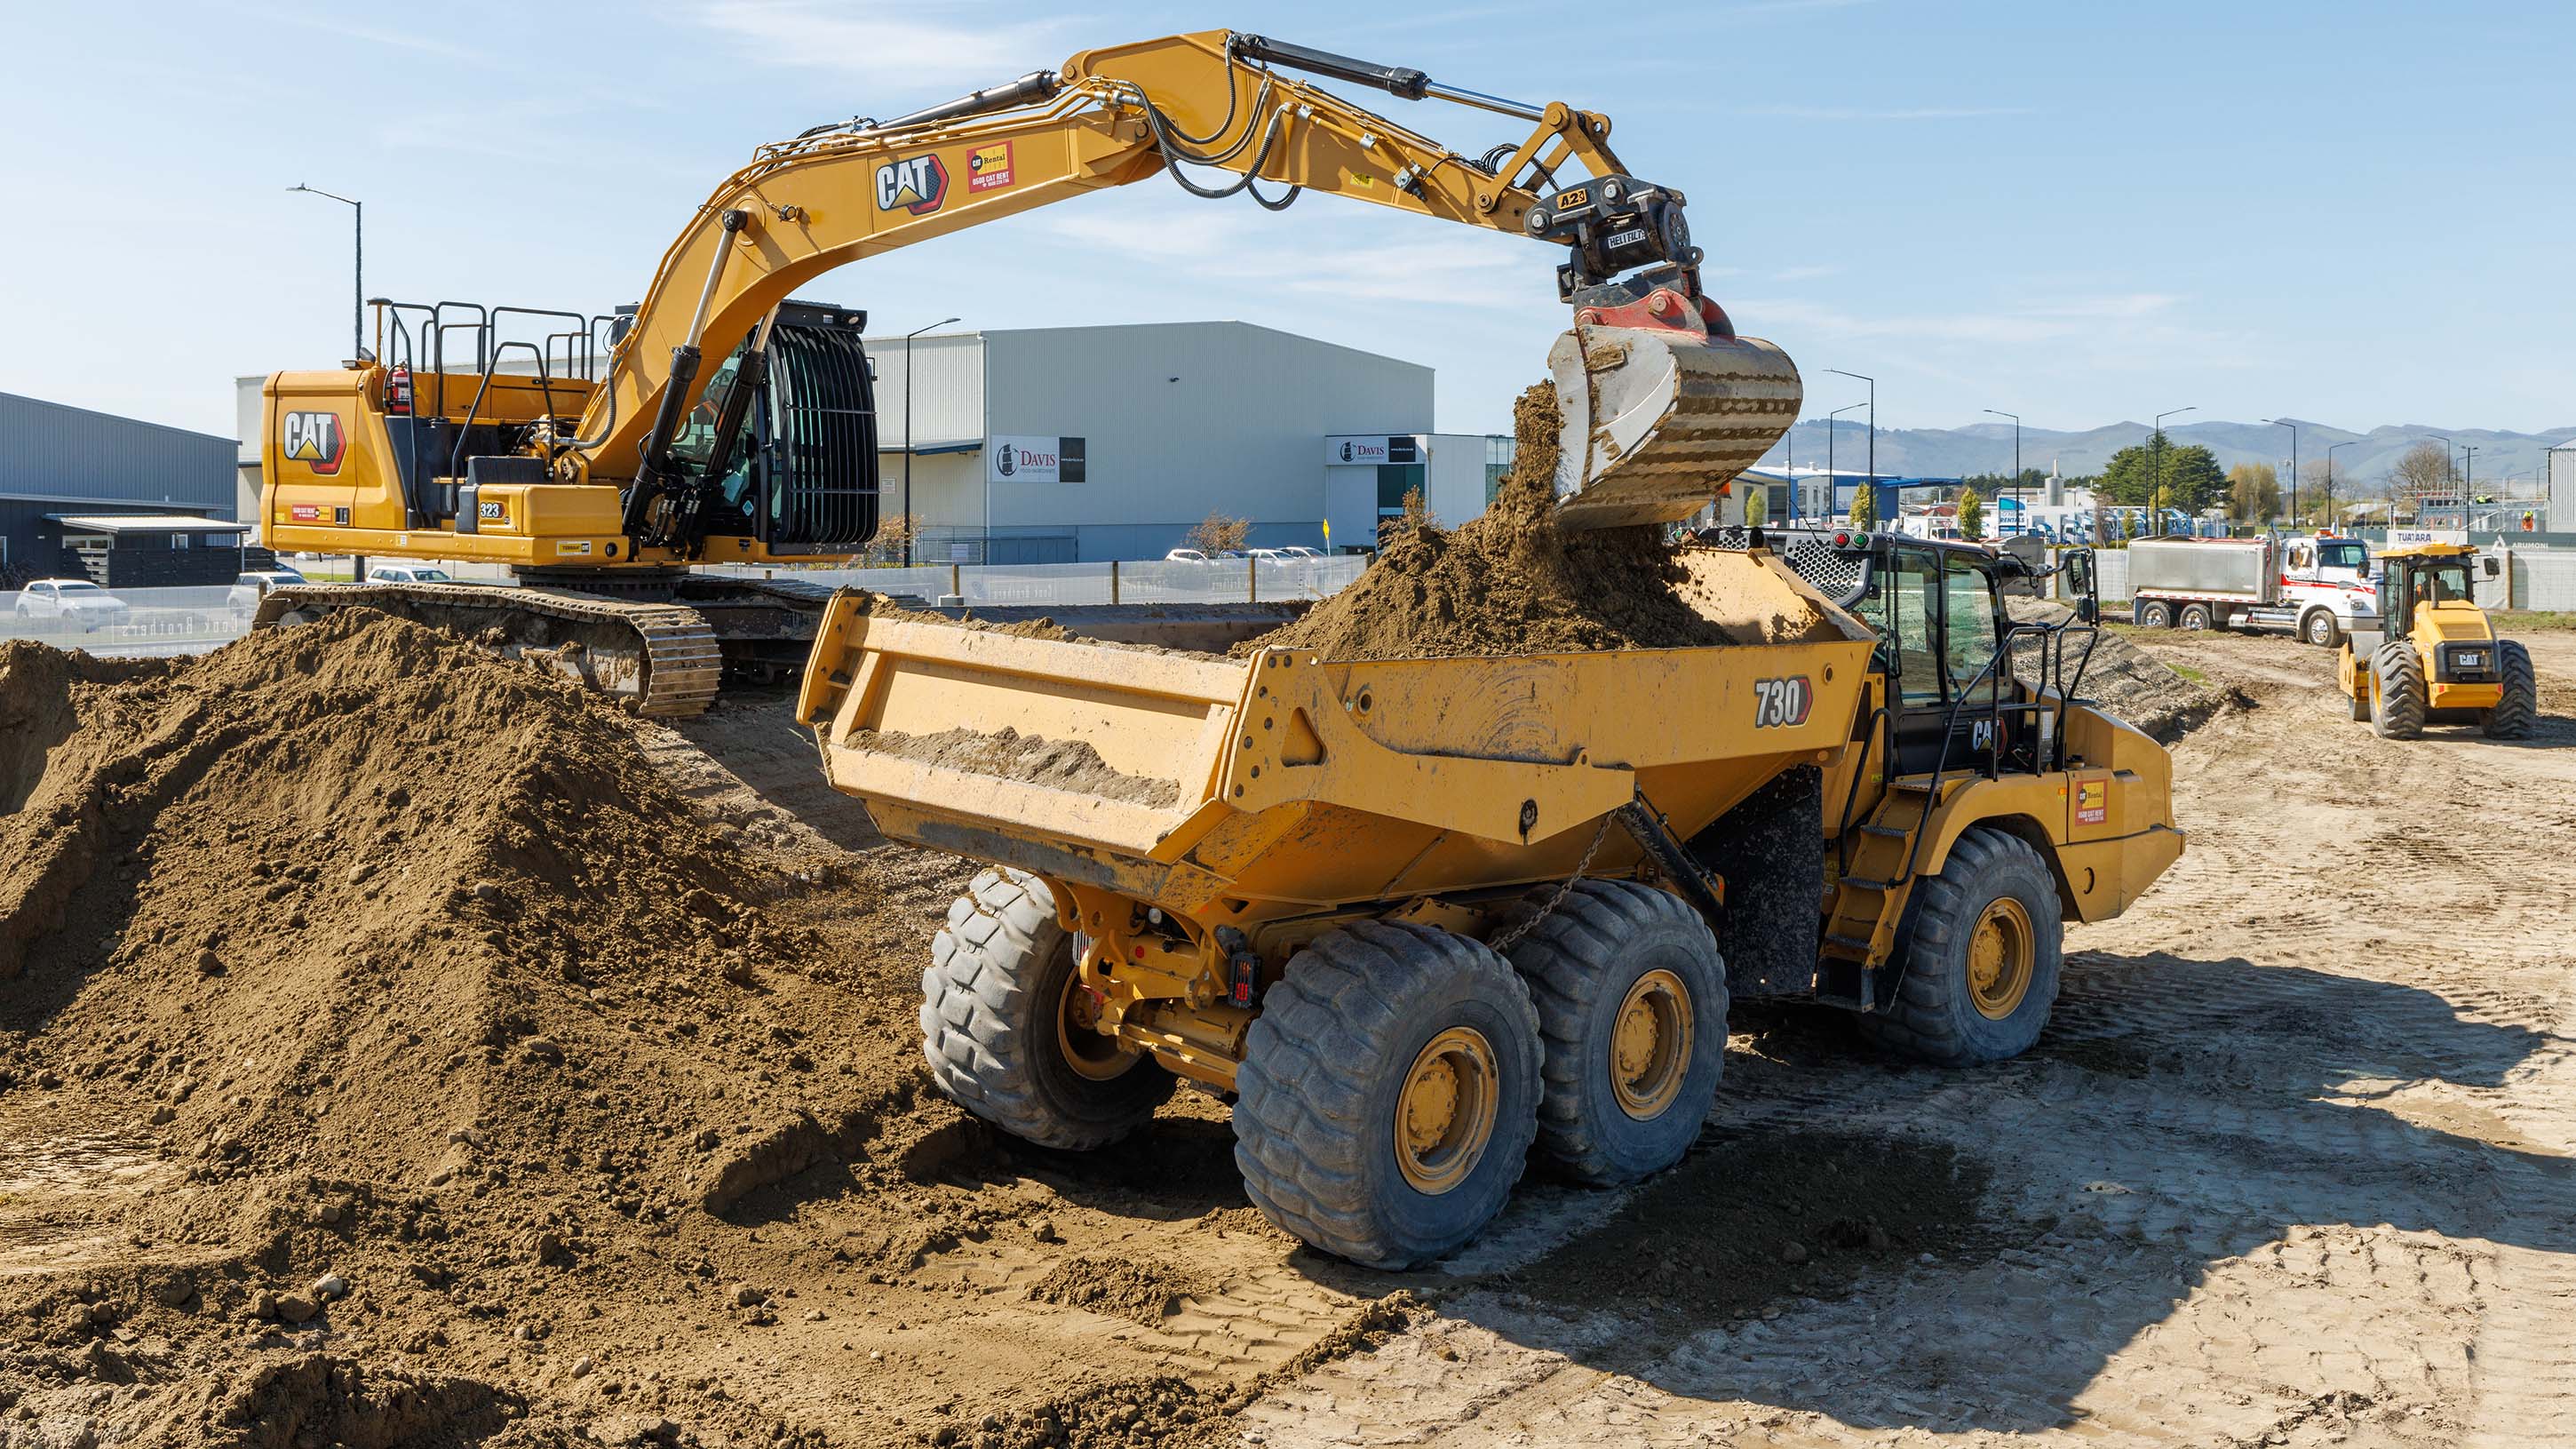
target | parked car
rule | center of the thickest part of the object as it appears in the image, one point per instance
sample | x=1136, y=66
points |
x=1294, y=550
x=408, y=574
x=75, y=602
x=243, y=598
x=1185, y=555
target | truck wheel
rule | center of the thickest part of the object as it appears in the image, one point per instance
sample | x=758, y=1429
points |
x=2518, y=713
x=2397, y=691
x=2320, y=629
x=2195, y=617
x=1002, y=1024
x=1631, y=996
x=1388, y=1093
x=1977, y=965
x=2155, y=614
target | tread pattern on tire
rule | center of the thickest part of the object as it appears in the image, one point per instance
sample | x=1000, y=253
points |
x=1566, y=959
x=975, y=1031
x=1921, y=1022
x=2397, y=685
x=1303, y=1089
x=2518, y=713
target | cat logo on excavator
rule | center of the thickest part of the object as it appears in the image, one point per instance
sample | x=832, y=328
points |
x=916, y=184
x=314, y=439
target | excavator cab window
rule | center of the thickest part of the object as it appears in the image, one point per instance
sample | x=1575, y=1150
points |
x=1969, y=631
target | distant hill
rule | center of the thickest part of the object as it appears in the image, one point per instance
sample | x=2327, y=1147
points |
x=1988, y=448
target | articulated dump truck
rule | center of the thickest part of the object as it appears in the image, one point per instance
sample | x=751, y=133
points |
x=1414, y=918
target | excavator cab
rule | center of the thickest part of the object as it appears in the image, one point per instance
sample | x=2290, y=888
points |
x=782, y=448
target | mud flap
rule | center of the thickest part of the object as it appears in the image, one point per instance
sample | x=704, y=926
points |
x=1769, y=850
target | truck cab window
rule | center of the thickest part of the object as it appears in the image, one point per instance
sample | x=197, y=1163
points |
x=2345, y=555
x=1969, y=640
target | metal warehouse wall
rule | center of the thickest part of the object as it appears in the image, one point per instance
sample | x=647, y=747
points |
x=71, y=457
x=1180, y=418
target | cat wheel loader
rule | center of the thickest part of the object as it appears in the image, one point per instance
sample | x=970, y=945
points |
x=1418, y=919
x=603, y=462
x=2436, y=657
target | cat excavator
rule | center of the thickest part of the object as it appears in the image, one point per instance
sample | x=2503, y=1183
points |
x=601, y=460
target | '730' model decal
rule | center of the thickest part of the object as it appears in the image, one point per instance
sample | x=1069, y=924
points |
x=1781, y=703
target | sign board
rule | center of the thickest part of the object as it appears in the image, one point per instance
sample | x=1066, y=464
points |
x=1367, y=450
x=2397, y=536
x=1034, y=460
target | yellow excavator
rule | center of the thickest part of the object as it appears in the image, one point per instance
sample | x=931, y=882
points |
x=602, y=483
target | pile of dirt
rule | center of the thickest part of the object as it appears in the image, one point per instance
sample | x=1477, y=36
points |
x=1145, y=1292
x=1058, y=764
x=1511, y=581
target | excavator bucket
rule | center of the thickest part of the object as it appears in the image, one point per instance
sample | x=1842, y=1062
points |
x=1658, y=419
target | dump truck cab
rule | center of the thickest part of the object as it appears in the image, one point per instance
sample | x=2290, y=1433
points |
x=2437, y=659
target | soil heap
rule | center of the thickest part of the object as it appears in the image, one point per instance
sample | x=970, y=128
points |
x=402, y=1046
x=1511, y=581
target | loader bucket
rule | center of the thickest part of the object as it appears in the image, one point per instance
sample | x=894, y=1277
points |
x=1658, y=420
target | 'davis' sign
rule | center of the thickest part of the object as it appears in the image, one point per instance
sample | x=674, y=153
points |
x=1034, y=460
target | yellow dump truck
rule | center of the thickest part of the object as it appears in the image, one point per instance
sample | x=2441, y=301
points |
x=1413, y=917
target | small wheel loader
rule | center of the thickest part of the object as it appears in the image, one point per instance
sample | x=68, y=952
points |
x=1418, y=918
x=2436, y=657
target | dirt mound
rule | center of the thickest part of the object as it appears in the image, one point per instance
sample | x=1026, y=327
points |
x=1511, y=581
x=1145, y=1292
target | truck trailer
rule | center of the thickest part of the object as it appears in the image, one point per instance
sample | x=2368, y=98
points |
x=2317, y=587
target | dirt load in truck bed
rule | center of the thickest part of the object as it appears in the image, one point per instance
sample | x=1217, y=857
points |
x=1513, y=582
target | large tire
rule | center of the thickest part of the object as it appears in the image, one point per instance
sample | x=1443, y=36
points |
x=2518, y=713
x=1944, y=1011
x=994, y=1031
x=2397, y=687
x=2194, y=617
x=1622, y=960
x=1322, y=1131
x=2155, y=614
x=2321, y=628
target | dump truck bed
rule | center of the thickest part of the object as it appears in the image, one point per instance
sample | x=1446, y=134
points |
x=1283, y=782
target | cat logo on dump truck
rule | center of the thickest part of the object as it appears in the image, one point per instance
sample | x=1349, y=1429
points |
x=314, y=439
x=916, y=184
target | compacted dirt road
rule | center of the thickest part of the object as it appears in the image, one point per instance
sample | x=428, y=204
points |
x=613, y=1129
x=2296, y=1163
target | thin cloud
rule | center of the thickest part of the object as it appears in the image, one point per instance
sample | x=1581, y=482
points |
x=924, y=46
x=372, y=34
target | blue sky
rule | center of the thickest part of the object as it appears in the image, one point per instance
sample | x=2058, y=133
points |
x=2353, y=213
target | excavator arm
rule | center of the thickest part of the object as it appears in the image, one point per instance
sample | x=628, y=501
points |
x=1670, y=404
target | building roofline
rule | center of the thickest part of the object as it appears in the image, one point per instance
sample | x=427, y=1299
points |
x=18, y=397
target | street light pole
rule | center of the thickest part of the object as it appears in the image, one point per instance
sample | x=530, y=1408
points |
x=1873, y=437
x=2016, y=481
x=2469, y=485
x=1833, y=480
x=2294, y=465
x=2330, y=452
x=908, y=529
x=357, y=271
x=2154, y=508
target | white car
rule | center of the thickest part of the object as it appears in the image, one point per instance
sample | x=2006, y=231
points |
x=70, y=601
x=1185, y=555
x=1294, y=550
x=408, y=574
x=244, y=596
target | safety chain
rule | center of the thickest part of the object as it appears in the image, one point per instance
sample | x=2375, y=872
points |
x=1510, y=938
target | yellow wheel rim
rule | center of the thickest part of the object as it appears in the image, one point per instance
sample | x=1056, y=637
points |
x=1650, y=1045
x=1445, y=1114
x=2002, y=958
x=1077, y=1035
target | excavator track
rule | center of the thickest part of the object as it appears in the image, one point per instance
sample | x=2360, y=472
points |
x=664, y=659
x=1656, y=421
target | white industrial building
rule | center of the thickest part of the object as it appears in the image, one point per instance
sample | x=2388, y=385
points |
x=1084, y=444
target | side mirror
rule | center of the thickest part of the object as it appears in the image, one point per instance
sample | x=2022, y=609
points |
x=2494, y=567
x=2088, y=611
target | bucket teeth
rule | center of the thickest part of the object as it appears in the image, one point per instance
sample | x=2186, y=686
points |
x=1656, y=422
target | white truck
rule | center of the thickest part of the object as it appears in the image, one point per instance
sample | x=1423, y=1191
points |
x=2315, y=586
